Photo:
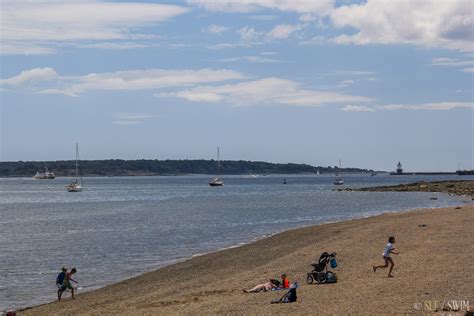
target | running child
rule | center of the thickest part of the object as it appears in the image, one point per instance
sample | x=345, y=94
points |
x=389, y=249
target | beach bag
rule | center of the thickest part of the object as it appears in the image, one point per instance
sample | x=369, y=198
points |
x=333, y=263
x=289, y=297
x=331, y=277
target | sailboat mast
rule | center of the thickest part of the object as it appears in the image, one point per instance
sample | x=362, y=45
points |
x=218, y=161
x=77, y=154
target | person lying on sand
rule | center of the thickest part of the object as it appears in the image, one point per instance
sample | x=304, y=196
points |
x=389, y=248
x=268, y=286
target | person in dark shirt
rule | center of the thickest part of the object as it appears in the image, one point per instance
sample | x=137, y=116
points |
x=67, y=284
x=60, y=279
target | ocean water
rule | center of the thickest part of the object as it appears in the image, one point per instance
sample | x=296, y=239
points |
x=119, y=227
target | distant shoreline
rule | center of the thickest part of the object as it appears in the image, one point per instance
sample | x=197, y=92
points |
x=191, y=174
x=144, y=167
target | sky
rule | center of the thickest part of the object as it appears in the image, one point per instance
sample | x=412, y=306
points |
x=369, y=82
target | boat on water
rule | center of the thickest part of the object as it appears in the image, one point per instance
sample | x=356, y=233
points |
x=44, y=175
x=75, y=186
x=217, y=181
x=338, y=180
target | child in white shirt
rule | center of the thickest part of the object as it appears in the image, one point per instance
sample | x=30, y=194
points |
x=389, y=249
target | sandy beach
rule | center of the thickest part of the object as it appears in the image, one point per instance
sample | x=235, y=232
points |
x=433, y=267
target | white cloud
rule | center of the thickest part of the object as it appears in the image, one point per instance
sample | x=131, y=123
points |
x=440, y=106
x=35, y=74
x=283, y=31
x=435, y=106
x=455, y=63
x=248, y=34
x=346, y=83
x=233, y=45
x=268, y=53
x=38, y=25
x=355, y=72
x=445, y=24
x=267, y=91
x=243, y=6
x=260, y=59
x=217, y=29
x=263, y=17
x=251, y=59
x=315, y=40
x=357, y=108
x=20, y=48
x=451, y=62
x=118, y=46
x=131, y=118
x=122, y=80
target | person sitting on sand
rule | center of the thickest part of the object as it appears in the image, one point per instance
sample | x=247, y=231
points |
x=67, y=284
x=60, y=279
x=271, y=284
x=389, y=248
x=285, y=283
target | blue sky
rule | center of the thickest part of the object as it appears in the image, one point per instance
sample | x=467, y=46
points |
x=368, y=82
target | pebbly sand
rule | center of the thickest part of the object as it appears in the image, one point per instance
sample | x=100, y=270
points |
x=435, y=264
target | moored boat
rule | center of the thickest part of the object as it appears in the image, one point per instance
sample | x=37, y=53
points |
x=44, y=175
x=217, y=182
x=338, y=180
x=74, y=186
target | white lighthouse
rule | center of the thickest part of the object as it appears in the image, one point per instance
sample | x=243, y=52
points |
x=399, y=168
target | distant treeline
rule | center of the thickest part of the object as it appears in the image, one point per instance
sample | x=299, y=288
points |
x=117, y=167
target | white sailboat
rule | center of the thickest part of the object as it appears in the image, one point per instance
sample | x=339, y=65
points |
x=74, y=186
x=217, y=182
x=338, y=180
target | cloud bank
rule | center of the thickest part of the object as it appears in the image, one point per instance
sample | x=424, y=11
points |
x=443, y=24
x=33, y=27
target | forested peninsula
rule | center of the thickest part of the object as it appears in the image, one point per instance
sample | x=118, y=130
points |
x=148, y=167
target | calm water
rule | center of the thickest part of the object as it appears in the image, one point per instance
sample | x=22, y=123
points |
x=120, y=227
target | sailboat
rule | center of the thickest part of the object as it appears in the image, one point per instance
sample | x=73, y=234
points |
x=217, y=182
x=74, y=186
x=338, y=180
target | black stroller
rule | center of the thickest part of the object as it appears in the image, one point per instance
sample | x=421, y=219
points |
x=320, y=271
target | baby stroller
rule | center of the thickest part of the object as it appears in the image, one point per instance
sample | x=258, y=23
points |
x=320, y=271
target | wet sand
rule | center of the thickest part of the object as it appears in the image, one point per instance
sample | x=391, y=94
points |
x=435, y=264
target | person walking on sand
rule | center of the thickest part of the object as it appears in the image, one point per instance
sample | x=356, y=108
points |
x=60, y=279
x=67, y=284
x=389, y=249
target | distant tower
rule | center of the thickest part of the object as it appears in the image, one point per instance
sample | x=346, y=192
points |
x=399, y=168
